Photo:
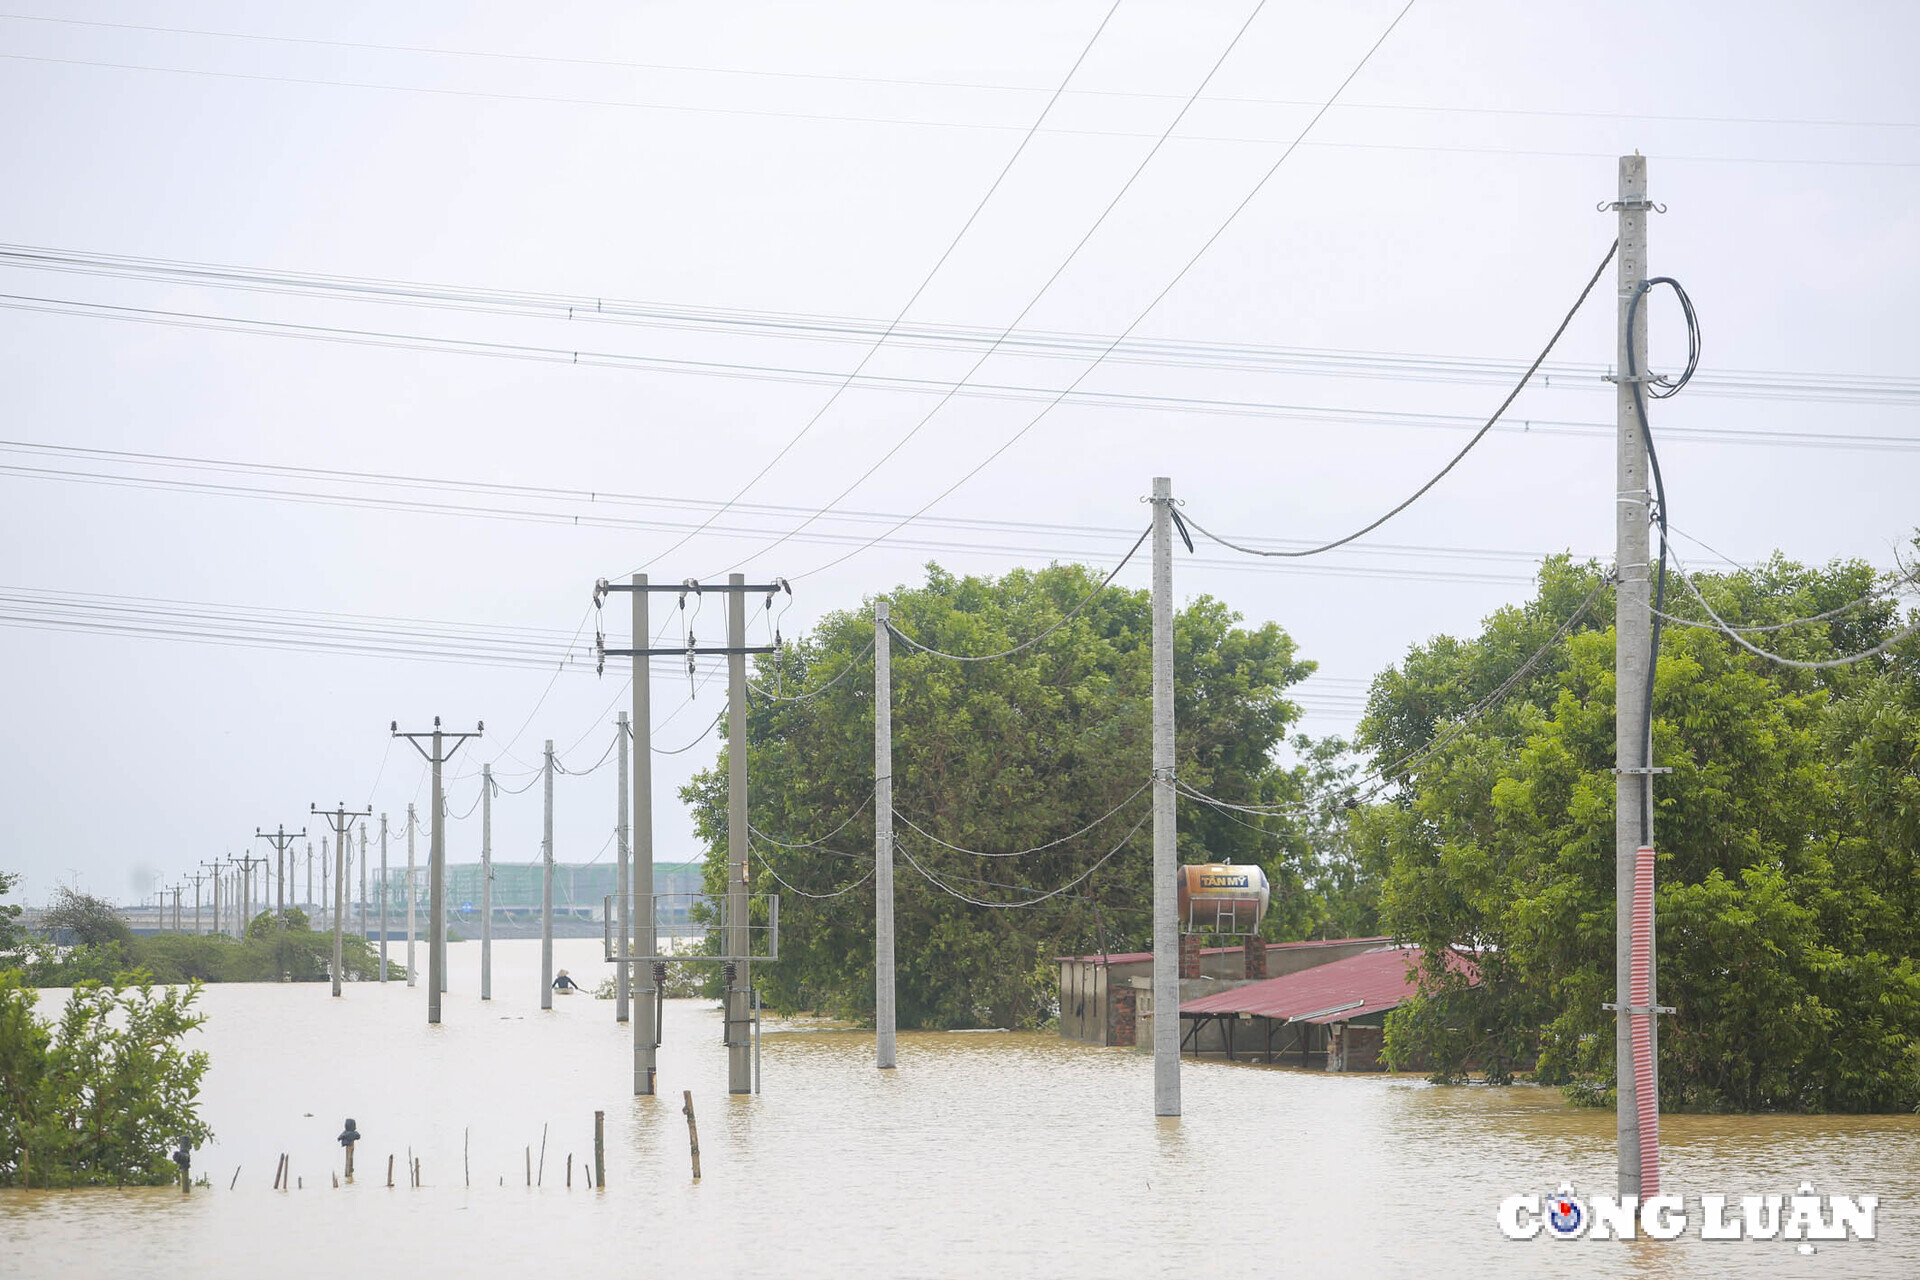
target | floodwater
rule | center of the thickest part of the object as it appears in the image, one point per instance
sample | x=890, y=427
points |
x=988, y=1154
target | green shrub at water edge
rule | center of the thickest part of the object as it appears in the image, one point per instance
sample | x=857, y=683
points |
x=101, y=1096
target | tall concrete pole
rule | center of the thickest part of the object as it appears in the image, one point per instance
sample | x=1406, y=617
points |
x=312, y=906
x=546, y=885
x=486, y=882
x=646, y=1033
x=1632, y=656
x=1166, y=925
x=883, y=973
x=413, y=898
x=215, y=874
x=340, y=855
x=383, y=897
x=437, y=886
x=324, y=897
x=363, y=883
x=196, y=904
x=622, y=889
x=280, y=878
x=739, y=1040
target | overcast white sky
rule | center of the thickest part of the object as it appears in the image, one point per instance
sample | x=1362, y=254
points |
x=814, y=161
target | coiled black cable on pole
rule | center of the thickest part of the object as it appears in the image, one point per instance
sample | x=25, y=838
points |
x=1662, y=387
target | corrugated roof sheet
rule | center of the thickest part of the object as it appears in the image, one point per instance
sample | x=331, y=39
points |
x=1133, y=957
x=1370, y=982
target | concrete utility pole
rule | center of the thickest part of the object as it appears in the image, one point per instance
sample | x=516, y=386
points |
x=247, y=864
x=739, y=941
x=546, y=883
x=311, y=904
x=486, y=882
x=280, y=839
x=646, y=1037
x=646, y=1029
x=363, y=883
x=198, y=876
x=213, y=874
x=883, y=973
x=341, y=820
x=324, y=896
x=383, y=897
x=437, y=856
x=1636, y=1114
x=1166, y=925
x=623, y=891
x=413, y=899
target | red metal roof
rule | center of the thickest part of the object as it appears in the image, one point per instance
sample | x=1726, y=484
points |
x=1133, y=957
x=1367, y=983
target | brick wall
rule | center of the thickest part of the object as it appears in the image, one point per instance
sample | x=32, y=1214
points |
x=1125, y=1027
x=1256, y=958
x=1189, y=955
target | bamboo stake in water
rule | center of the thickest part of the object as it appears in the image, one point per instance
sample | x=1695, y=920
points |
x=236, y=1178
x=569, y=1170
x=466, y=1165
x=541, y=1181
x=693, y=1133
x=389, y=1168
x=600, y=1149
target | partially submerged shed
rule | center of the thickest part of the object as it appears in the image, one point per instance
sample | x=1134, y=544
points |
x=1332, y=1015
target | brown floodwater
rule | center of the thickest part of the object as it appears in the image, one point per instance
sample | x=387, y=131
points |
x=987, y=1154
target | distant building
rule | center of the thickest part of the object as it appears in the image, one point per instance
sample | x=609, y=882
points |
x=1100, y=995
x=580, y=889
x=1331, y=1016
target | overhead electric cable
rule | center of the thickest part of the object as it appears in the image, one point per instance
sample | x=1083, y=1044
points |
x=1734, y=635
x=811, y=844
x=926, y=281
x=1168, y=288
x=767, y=866
x=1021, y=853
x=1035, y=639
x=768, y=695
x=944, y=887
x=1453, y=462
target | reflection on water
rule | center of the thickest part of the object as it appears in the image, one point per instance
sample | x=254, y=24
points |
x=1004, y=1155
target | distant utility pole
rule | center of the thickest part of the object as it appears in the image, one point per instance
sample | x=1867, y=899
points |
x=363, y=885
x=437, y=854
x=546, y=882
x=883, y=970
x=341, y=820
x=247, y=864
x=646, y=1038
x=1636, y=1037
x=280, y=839
x=622, y=891
x=486, y=882
x=1166, y=925
x=413, y=898
x=197, y=877
x=383, y=897
x=309, y=900
x=325, y=896
x=213, y=874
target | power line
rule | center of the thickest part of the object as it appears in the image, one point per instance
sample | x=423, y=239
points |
x=1032, y=302
x=1453, y=462
x=826, y=117
x=907, y=306
x=1021, y=853
x=767, y=866
x=897, y=333
x=944, y=887
x=1031, y=640
x=1802, y=664
x=853, y=662
x=746, y=371
x=811, y=844
x=1168, y=288
x=923, y=82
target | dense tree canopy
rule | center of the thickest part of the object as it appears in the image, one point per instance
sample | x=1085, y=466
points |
x=1001, y=756
x=1786, y=897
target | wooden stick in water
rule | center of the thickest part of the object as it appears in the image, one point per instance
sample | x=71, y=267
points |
x=389, y=1168
x=541, y=1181
x=693, y=1133
x=569, y=1170
x=529, y=1165
x=600, y=1149
x=236, y=1178
x=466, y=1165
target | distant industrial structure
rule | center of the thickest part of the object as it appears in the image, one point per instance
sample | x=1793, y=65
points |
x=581, y=890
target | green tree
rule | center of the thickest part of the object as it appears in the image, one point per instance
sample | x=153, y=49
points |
x=1785, y=932
x=999, y=756
x=102, y=1095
